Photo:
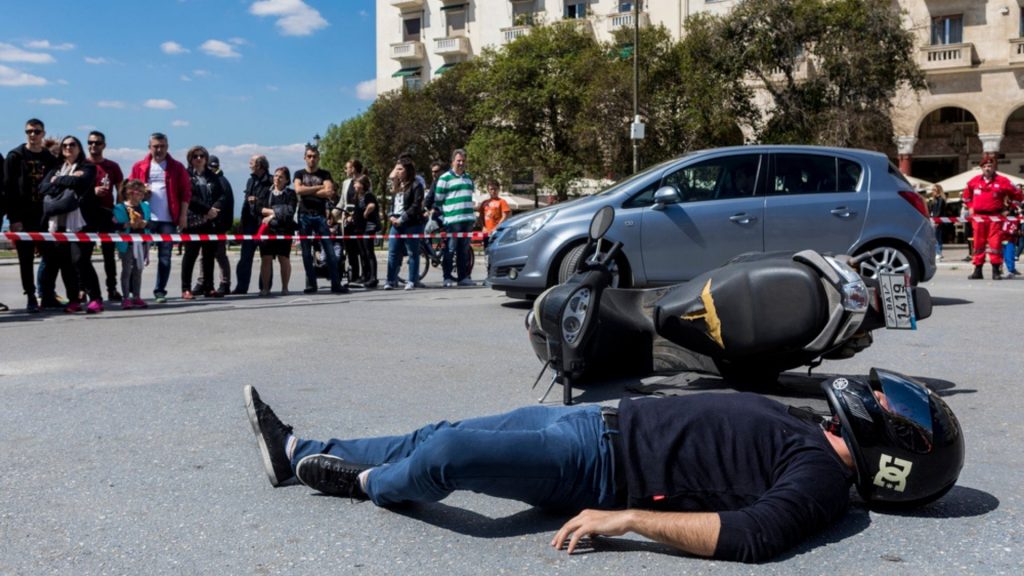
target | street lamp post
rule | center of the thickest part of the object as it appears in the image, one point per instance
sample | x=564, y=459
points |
x=636, y=132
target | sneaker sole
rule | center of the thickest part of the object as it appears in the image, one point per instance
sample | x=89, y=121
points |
x=255, y=422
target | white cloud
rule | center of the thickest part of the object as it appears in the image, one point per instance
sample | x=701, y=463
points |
x=367, y=89
x=201, y=73
x=219, y=49
x=273, y=88
x=294, y=17
x=50, y=102
x=63, y=82
x=11, y=77
x=185, y=78
x=159, y=104
x=117, y=104
x=45, y=45
x=10, y=53
x=238, y=41
x=173, y=48
x=99, y=60
x=86, y=127
x=180, y=123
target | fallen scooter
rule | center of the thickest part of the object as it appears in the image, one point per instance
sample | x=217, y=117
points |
x=747, y=321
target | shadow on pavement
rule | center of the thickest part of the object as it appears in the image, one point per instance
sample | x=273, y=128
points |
x=960, y=502
x=469, y=523
x=939, y=301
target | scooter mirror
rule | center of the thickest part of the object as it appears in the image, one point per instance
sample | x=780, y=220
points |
x=602, y=222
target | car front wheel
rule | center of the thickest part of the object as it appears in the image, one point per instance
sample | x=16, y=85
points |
x=571, y=261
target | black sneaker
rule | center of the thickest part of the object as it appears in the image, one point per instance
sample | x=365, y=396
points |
x=309, y=290
x=32, y=307
x=339, y=290
x=114, y=296
x=331, y=475
x=271, y=435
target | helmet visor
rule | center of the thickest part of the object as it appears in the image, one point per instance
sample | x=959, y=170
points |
x=909, y=408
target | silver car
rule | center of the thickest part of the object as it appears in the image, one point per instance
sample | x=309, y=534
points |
x=688, y=215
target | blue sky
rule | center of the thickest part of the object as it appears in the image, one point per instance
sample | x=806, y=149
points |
x=236, y=76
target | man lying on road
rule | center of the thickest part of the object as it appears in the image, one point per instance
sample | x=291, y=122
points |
x=729, y=476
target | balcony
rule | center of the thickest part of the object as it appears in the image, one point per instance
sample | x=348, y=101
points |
x=407, y=51
x=619, y=20
x=803, y=69
x=947, y=58
x=452, y=46
x=511, y=34
x=407, y=4
x=1016, y=51
x=580, y=24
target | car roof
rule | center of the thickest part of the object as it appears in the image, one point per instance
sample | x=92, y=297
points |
x=776, y=148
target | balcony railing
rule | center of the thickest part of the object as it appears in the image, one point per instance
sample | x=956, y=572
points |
x=511, y=34
x=947, y=57
x=407, y=4
x=451, y=45
x=407, y=51
x=1017, y=51
x=625, y=20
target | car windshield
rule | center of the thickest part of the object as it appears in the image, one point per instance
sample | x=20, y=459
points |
x=639, y=175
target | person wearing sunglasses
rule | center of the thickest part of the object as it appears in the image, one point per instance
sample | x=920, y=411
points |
x=24, y=169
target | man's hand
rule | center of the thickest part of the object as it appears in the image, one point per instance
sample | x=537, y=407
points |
x=592, y=523
x=213, y=213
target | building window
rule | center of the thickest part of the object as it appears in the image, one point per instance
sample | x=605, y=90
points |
x=455, y=20
x=575, y=10
x=625, y=7
x=947, y=30
x=411, y=29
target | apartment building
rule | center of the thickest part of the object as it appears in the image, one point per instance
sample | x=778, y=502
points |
x=972, y=52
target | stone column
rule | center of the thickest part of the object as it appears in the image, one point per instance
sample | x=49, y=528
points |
x=990, y=146
x=905, y=149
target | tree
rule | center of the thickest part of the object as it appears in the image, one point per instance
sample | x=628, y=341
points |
x=829, y=67
x=531, y=101
x=342, y=142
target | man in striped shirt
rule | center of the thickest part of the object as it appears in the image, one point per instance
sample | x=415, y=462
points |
x=454, y=196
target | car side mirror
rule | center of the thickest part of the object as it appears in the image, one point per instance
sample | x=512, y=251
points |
x=666, y=195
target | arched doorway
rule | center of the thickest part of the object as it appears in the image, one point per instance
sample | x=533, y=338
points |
x=946, y=142
x=1013, y=144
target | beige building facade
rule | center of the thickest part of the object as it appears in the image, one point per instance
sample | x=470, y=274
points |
x=972, y=52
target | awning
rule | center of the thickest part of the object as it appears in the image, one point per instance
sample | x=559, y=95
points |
x=959, y=182
x=412, y=71
x=460, y=6
x=445, y=67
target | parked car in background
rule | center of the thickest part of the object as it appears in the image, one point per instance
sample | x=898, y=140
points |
x=688, y=215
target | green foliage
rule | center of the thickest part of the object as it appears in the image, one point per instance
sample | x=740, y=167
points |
x=830, y=67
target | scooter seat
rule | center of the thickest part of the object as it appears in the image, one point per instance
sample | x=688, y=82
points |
x=745, y=309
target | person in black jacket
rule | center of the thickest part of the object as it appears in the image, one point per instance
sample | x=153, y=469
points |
x=72, y=259
x=406, y=218
x=733, y=476
x=204, y=210
x=3, y=211
x=24, y=169
x=256, y=187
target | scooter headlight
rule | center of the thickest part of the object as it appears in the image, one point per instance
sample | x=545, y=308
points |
x=574, y=315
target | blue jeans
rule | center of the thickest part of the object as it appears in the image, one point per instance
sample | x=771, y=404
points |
x=163, y=250
x=460, y=248
x=1010, y=256
x=549, y=457
x=398, y=248
x=311, y=224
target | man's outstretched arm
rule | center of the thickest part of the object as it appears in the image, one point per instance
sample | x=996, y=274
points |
x=692, y=532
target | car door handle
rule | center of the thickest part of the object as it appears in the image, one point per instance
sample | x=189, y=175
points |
x=842, y=212
x=743, y=218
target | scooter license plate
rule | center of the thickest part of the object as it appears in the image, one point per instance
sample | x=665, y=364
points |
x=897, y=301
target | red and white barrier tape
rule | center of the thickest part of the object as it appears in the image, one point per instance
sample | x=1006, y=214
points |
x=102, y=237
x=975, y=218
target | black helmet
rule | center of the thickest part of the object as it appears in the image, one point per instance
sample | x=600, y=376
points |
x=907, y=453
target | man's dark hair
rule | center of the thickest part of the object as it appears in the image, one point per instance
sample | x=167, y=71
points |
x=158, y=136
x=99, y=134
x=458, y=151
x=438, y=164
x=35, y=122
x=356, y=165
x=310, y=147
x=287, y=173
x=494, y=183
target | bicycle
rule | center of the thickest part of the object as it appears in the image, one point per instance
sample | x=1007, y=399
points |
x=431, y=252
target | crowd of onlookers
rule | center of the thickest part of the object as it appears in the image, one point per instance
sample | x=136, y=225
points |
x=69, y=186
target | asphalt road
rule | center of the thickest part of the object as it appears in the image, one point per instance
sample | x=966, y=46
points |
x=126, y=450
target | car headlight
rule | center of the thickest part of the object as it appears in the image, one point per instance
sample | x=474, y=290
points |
x=574, y=315
x=526, y=228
